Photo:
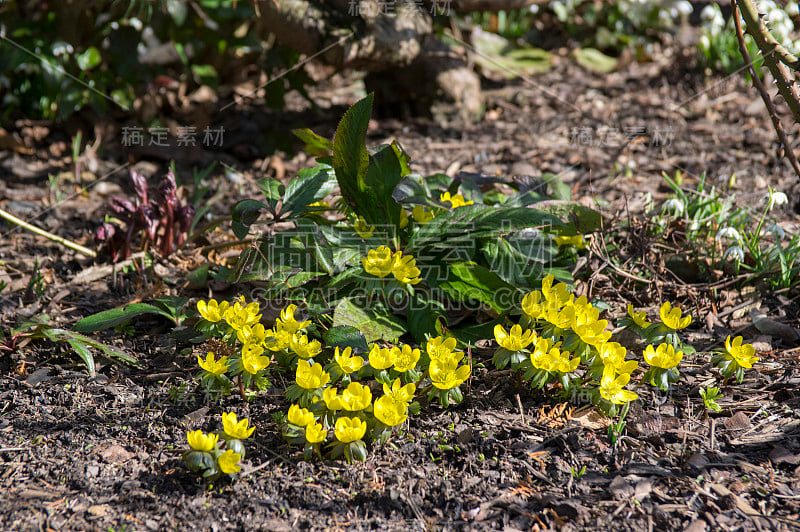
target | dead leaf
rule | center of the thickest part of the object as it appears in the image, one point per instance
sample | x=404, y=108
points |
x=774, y=328
x=738, y=421
x=115, y=454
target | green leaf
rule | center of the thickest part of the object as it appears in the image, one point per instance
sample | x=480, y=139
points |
x=310, y=185
x=244, y=214
x=426, y=318
x=206, y=75
x=473, y=333
x=580, y=218
x=402, y=158
x=413, y=189
x=350, y=157
x=272, y=189
x=471, y=281
x=117, y=316
x=594, y=59
x=383, y=175
x=346, y=336
x=315, y=145
x=373, y=323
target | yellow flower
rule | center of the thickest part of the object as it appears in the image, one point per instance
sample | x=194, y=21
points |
x=315, y=433
x=255, y=334
x=311, y=377
x=613, y=388
x=587, y=325
x=300, y=416
x=333, y=401
x=563, y=318
x=398, y=393
x=346, y=361
x=349, y=429
x=403, y=219
x=405, y=358
x=550, y=357
x=303, y=348
x=664, y=356
x=420, y=215
x=455, y=201
x=252, y=360
x=278, y=338
x=321, y=204
x=576, y=241
x=378, y=262
x=440, y=347
x=405, y=268
x=200, y=441
x=228, y=462
x=361, y=227
x=241, y=314
x=672, y=317
x=532, y=304
x=380, y=357
x=287, y=321
x=217, y=367
x=558, y=294
x=212, y=311
x=356, y=397
x=613, y=354
x=514, y=340
x=237, y=430
x=444, y=374
x=390, y=412
x=742, y=354
x=639, y=318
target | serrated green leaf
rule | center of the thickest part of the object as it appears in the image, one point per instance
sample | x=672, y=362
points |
x=315, y=144
x=350, y=156
x=310, y=185
x=272, y=189
x=579, y=218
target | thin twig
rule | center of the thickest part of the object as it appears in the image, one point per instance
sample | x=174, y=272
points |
x=41, y=232
x=759, y=85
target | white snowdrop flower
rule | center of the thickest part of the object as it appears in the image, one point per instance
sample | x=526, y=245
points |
x=728, y=233
x=684, y=8
x=734, y=252
x=792, y=9
x=776, y=230
x=779, y=198
x=674, y=206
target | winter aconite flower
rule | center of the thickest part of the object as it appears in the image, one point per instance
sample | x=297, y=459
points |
x=390, y=412
x=255, y=334
x=217, y=367
x=515, y=339
x=238, y=430
x=212, y=311
x=315, y=433
x=405, y=358
x=445, y=374
x=612, y=387
x=613, y=354
x=303, y=348
x=241, y=314
x=576, y=241
x=400, y=393
x=742, y=354
x=252, y=359
x=672, y=317
x=380, y=357
x=348, y=429
x=378, y=262
x=200, y=441
x=346, y=361
x=405, y=268
x=356, y=397
x=311, y=377
x=361, y=227
x=639, y=318
x=664, y=356
x=420, y=215
x=287, y=321
x=300, y=416
x=440, y=347
x=228, y=462
x=456, y=200
x=333, y=401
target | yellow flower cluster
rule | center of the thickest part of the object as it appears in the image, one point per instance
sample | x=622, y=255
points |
x=402, y=358
x=444, y=370
x=207, y=458
x=381, y=262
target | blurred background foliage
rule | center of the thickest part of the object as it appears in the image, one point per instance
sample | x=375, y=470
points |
x=60, y=57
